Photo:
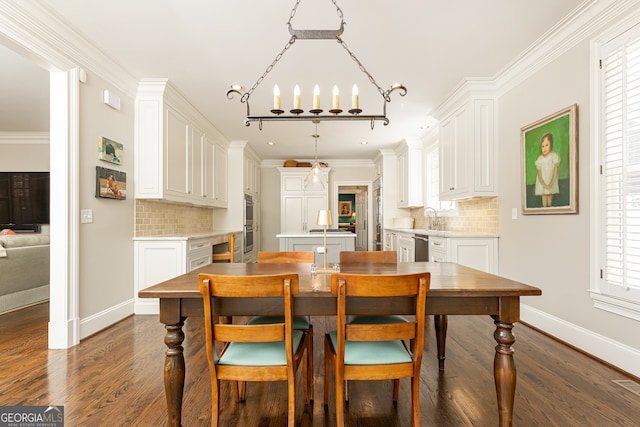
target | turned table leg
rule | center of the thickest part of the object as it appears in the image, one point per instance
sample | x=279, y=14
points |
x=174, y=373
x=440, y=324
x=504, y=369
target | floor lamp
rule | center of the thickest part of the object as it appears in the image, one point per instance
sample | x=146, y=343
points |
x=324, y=219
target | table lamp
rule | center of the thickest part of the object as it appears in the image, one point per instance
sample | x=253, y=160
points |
x=324, y=219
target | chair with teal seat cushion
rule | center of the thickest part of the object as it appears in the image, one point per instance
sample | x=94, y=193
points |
x=376, y=350
x=260, y=352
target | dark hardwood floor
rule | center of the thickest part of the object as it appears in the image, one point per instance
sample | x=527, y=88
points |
x=115, y=378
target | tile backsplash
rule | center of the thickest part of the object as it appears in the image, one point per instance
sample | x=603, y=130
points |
x=155, y=218
x=477, y=215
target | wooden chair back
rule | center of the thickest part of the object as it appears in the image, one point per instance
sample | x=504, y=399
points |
x=286, y=257
x=227, y=255
x=378, y=287
x=367, y=257
x=216, y=287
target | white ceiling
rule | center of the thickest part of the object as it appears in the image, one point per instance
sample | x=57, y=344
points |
x=203, y=46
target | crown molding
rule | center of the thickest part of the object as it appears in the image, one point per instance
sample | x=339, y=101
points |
x=34, y=30
x=24, y=137
x=588, y=18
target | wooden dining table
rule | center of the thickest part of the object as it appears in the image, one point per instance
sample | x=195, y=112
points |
x=455, y=290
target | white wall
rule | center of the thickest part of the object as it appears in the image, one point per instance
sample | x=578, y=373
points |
x=106, y=255
x=24, y=151
x=552, y=251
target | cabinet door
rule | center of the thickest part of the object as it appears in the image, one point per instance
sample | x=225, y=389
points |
x=313, y=203
x=220, y=175
x=176, y=161
x=454, y=169
x=403, y=178
x=196, y=163
x=481, y=254
x=208, y=181
x=292, y=214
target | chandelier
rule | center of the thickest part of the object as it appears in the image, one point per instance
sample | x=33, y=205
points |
x=316, y=113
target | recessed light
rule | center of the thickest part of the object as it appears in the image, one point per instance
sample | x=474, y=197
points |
x=237, y=86
x=364, y=143
x=271, y=143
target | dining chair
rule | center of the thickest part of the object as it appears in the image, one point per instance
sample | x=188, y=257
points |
x=299, y=322
x=376, y=351
x=262, y=352
x=227, y=255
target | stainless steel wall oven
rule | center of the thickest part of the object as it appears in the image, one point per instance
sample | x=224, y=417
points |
x=248, y=223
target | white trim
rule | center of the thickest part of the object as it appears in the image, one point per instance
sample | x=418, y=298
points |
x=613, y=304
x=603, y=301
x=620, y=355
x=24, y=137
x=334, y=202
x=101, y=320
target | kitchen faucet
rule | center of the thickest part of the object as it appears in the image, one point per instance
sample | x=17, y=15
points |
x=435, y=223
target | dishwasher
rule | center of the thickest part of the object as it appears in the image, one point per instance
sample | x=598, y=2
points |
x=421, y=247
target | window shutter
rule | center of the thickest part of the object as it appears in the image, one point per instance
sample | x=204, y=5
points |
x=621, y=162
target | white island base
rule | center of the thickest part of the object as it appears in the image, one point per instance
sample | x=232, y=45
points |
x=304, y=242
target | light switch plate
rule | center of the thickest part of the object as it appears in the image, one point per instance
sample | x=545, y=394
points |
x=86, y=216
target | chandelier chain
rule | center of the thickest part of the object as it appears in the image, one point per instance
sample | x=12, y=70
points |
x=279, y=56
x=362, y=67
x=295, y=9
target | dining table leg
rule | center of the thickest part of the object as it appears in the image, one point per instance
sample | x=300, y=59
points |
x=504, y=369
x=174, y=373
x=440, y=323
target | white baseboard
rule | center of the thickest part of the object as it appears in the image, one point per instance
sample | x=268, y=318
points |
x=617, y=354
x=148, y=306
x=99, y=321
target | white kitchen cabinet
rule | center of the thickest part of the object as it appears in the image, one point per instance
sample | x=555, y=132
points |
x=251, y=175
x=391, y=240
x=480, y=253
x=409, y=175
x=157, y=259
x=468, y=151
x=179, y=155
x=438, y=249
x=314, y=242
x=406, y=247
x=299, y=207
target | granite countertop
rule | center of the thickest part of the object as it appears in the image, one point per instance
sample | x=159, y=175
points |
x=444, y=233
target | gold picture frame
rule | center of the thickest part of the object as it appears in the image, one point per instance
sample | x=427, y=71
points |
x=345, y=208
x=549, y=163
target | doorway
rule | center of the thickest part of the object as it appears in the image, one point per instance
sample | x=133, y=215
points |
x=352, y=207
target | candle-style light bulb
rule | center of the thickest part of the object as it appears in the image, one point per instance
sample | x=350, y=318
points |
x=296, y=97
x=276, y=98
x=336, y=98
x=316, y=97
x=354, y=97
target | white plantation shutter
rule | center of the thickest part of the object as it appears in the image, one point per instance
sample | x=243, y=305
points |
x=620, y=178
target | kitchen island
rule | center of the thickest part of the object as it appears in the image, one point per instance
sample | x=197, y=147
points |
x=314, y=241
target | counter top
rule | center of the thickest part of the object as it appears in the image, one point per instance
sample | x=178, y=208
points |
x=219, y=234
x=318, y=234
x=445, y=233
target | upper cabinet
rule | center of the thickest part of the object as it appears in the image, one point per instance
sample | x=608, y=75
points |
x=251, y=175
x=468, y=150
x=299, y=207
x=409, y=175
x=179, y=156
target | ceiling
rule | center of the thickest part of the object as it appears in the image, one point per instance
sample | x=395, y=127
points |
x=204, y=46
